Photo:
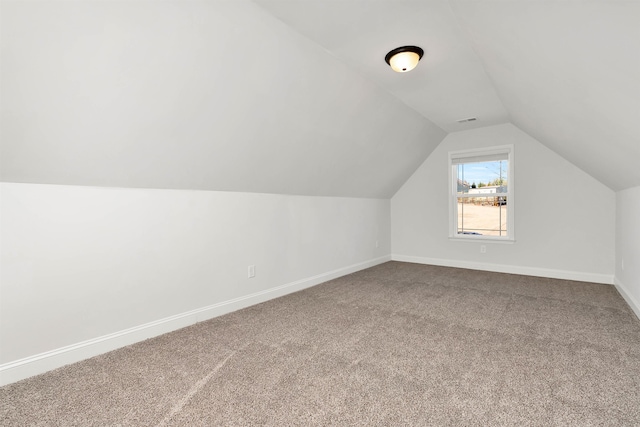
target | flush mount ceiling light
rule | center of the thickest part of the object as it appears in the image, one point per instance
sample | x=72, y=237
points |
x=405, y=58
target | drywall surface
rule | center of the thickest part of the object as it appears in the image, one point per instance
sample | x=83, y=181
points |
x=82, y=262
x=540, y=57
x=209, y=95
x=628, y=245
x=564, y=218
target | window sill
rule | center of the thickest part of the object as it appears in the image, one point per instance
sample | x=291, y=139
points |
x=483, y=239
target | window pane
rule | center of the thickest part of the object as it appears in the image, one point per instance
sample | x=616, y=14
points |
x=485, y=216
x=482, y=177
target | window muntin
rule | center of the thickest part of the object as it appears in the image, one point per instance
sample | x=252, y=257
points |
x=482, y=194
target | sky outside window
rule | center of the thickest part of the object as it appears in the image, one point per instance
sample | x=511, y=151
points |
x=483, y=172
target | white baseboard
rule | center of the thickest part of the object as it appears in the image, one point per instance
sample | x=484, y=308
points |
x=511, y=269
x=43, y=362
x=633, y=303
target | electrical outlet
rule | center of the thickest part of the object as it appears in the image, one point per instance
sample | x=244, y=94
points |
x=483, y=249
x=377, y=243
x=252, y=271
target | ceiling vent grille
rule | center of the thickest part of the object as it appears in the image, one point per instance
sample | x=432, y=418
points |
x=468, y=119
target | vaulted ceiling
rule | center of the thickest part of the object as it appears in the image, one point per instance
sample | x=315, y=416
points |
x=294, y=96
x=566, y=72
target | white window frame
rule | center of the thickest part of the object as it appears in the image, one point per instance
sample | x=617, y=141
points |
x=475, y=154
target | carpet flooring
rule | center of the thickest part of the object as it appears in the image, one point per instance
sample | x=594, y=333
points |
x=396, y=344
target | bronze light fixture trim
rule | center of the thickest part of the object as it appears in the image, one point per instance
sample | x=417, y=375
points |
x=405, y=58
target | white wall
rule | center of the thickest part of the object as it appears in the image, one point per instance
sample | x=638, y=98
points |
x=78, y=263
x=564, y=218
x=628, y=246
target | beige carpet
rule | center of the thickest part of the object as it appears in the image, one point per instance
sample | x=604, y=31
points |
x=397, y=344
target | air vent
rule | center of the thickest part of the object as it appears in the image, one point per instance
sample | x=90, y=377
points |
x=469, y=119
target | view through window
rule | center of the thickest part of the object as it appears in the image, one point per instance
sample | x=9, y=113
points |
x=481, y=194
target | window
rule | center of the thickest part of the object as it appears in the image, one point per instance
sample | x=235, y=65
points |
x=481, y=194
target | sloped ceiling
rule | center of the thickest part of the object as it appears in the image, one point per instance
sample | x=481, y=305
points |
x=212, y=95
x=294, y=97
x=450, y=82
x=566, y=72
